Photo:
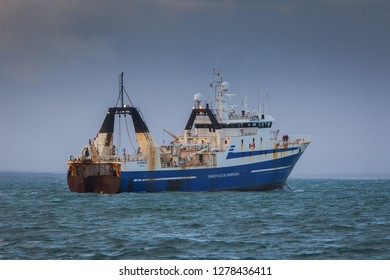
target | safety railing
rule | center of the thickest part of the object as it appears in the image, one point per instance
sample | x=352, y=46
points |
x=295, y=139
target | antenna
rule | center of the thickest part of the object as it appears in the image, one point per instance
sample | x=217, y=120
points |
x=245, y=103
x=121, y=89
x=122, y=92
x=217, y=82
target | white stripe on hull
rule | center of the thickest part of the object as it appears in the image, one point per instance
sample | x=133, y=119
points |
x=164, y=179
x=270, y=169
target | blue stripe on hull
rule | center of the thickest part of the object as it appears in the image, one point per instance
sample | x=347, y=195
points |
x=251, y=177
x=258, y=152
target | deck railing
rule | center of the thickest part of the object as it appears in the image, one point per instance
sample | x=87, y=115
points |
x=113, y=158
x=296, y=139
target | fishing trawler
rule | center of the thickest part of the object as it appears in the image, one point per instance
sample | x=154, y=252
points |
x=219, y=150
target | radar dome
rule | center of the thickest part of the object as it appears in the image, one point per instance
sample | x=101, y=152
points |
x=225, y=86
x=198, y=97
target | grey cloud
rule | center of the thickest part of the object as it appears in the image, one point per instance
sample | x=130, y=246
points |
x=66, y=54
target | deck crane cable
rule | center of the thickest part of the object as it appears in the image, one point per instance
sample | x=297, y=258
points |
x=131, y=103
x=128, y=134
x=119, y=143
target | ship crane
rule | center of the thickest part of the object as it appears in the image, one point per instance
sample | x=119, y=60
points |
x=177, y=139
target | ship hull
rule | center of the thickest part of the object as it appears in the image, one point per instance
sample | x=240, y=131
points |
x=94, y=177
x=94, y=184
x=260, y=176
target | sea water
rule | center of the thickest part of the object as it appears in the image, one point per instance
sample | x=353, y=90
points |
x=319, y=219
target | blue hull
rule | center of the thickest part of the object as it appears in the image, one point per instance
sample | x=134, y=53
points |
x=251, y=177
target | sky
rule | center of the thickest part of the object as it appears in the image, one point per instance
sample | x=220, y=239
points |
x=324, y=64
